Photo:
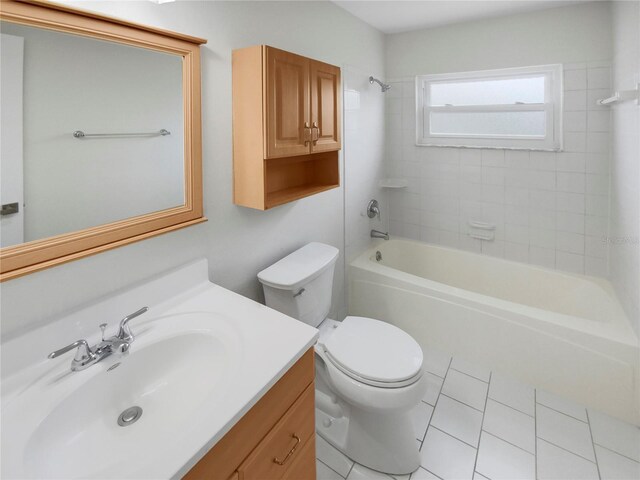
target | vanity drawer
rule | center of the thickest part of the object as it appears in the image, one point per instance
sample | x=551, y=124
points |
x=280, y=450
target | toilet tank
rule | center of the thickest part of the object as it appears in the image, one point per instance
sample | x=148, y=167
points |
x=300, y=285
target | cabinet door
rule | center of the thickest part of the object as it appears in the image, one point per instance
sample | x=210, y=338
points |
x=326, y=107
x=287, y=100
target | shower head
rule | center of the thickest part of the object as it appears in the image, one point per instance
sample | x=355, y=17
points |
x=383, y=86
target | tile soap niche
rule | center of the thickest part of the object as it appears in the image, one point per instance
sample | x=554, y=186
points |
x=286, y=127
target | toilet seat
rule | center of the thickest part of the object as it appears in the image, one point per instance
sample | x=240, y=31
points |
x=374, y=353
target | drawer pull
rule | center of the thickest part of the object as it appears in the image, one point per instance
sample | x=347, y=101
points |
x=282, y=462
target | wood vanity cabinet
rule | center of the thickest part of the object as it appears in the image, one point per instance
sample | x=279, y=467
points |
x=286, y=126
x=275, y=440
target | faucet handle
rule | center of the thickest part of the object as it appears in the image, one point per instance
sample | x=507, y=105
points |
x=373, y=209
x=83, y=353
x=125, y=332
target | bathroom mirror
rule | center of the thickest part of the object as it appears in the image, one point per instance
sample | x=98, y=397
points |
x=100, y=122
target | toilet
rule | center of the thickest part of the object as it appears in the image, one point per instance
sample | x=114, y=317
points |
x=368, y=373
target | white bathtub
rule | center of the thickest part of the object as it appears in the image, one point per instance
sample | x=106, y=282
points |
x=561, y=332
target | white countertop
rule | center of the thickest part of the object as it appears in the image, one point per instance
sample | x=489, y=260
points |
x=264, y=345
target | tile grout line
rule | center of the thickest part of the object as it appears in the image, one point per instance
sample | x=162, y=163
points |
x=475, y=463
x=437, y=396
x=565, y=414
x=465, y=404
x=349, y=472
x=564, y=449
x=424, y=436
x=617, y=453
x=472, y=376
x=388, y=475
x=454, y=437
x=535, y=429
x=430, y=473
x=332, y=468
x=513, y=444
x=593, y=446
x=513, y=408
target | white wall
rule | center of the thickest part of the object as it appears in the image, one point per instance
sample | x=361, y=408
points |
x=624, y=236
x=549, y=208
x=75, y=83
x=570, y=34
x=237, y=241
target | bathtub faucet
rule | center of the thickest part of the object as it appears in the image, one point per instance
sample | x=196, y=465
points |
x=377, y=234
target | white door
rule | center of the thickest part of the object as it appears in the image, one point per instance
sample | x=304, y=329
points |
x=11, y=170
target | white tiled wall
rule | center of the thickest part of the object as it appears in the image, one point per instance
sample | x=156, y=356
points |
x=549, y=208
x=624, y=233
x=363, y=159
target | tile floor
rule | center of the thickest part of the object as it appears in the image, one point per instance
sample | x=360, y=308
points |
x=474, y=424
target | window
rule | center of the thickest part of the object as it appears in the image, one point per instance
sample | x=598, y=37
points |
x=518, y=108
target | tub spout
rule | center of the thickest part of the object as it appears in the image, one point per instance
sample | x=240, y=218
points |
x=377, y=234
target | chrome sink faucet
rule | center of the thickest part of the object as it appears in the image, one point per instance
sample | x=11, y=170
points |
x=87, y=356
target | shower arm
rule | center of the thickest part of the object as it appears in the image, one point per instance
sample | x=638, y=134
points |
x=383, y=86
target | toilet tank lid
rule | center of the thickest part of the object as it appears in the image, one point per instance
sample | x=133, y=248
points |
x=299, y=267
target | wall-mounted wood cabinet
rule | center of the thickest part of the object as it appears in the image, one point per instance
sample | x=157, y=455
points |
x=286, y=126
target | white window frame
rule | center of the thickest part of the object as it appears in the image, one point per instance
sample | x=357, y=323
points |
x=551, y=141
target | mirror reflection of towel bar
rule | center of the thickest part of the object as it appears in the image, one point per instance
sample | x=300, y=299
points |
x=81, y=134
x=482, y=225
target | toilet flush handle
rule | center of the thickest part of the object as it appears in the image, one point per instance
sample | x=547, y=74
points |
x=300, y=292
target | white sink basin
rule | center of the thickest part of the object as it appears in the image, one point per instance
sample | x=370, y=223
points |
x=170, y=377
x=194, y=370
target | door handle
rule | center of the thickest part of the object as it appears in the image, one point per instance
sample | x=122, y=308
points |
x=9, y=208
x=315, y=133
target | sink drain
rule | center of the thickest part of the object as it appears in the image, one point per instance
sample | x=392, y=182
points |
x=130, y=416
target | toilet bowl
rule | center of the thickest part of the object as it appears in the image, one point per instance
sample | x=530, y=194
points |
x=368, y=373
x=375, y=372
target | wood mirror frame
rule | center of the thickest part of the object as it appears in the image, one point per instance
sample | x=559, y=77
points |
x=39, y=254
